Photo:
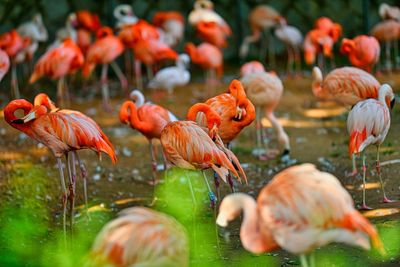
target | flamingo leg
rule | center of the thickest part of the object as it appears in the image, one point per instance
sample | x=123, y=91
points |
x=192, y=191
x=164, y=160
x=63, y=197
x=387, y=53
x=271, y=49
x=290, y=60
x=104, y=88
x=312, y=259
x=138, y=74
x=153, y=162
x=84, y=178
x=217, y=184
x=396, y=54
x=149, y=70
x=297, y=59
x=353, y=160
x=303, y=261
x=71, y=188
x=128, y=65
x=121, y=77
x=60, y=92
x=378, y=170
x=211, y=195
x=364, y=206
x=14, y=80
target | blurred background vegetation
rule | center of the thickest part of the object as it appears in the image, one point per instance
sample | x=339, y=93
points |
x=356, y=16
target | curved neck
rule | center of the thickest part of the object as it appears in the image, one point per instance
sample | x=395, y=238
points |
x=250, y=114
x=43, y=99
x=250, y=233
x=282, y=136
x=9, y=114
x=128, y=113
x=212, y=117
x=384, y=91
x=138, y=97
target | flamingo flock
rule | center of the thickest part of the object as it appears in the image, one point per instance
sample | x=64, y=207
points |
x=299, y=210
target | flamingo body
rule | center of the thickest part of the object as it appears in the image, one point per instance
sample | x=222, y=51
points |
x=206, y=56
x=4, y=64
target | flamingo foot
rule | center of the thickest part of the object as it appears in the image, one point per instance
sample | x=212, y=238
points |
x=365, y=207
x=387, y=200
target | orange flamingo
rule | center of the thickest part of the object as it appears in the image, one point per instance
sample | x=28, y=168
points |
x=387, y=32
x=171, y=26
x=346, y=86
x=251, y=67
x=213, y=33
x=317, y=43
x=265, y=90
x=87, y=23
x=104, y=51
x=149, y=120
x=363, y=51
x=187, y=145
x=209, y=57
x=300, y=210
x=4, y=63
x=57, y=63
x=126, y=241
x=334, y=30
x=368, y=124
x=262, y=18
x=61, y=132
x=12, y=43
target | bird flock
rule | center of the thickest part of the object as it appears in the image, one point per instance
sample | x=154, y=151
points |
x=299, y=210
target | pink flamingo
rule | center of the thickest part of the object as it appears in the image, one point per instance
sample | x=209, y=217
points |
x=368, y=124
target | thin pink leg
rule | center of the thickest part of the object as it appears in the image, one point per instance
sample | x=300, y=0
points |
x=364, y=206
x=378, y=170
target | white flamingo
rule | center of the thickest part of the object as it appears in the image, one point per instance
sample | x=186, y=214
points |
x=124, y=15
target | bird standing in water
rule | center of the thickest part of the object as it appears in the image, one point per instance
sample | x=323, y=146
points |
x=61, y=132
x=300, y=210
x=368, y=124
x=149, y=119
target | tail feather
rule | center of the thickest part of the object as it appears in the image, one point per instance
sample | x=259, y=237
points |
x=356, y=139
x=356, y=221
x=106, y=147
x=34, y=77
x=87, y=69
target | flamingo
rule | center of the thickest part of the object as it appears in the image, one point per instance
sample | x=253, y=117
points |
x=187, y=145
x=203, y=11
x=87, y=23
x=209, y=57
x=149, y=119
x=12, y=43
x=124, y=15
x=104, y=51
x=265, y=89
x=262, y=18
x=317, y=43
x=251, y=67
x=363, y=51
x=170, y=77
x=36, y=32
x=57, y=63
x=66, y=32
x=300, y=210
x=389, y=12
x=386, y=32
x=171, y=26
x=212, y=33
x=141, y=237
x=235, y=111
x=293, y=39
x=368, y=124
x=4, y=64
x=346, y=86
x=334, y=30
x=61, y=132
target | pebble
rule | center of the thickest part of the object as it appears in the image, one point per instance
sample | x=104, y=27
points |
x=126, y=152
x=96, y=177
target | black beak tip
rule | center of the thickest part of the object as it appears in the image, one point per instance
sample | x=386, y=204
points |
x=18, y=121
x=392, y=103
x=285, y=152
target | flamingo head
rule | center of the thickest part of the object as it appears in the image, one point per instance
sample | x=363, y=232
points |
x=204, y=4
x=33, y=114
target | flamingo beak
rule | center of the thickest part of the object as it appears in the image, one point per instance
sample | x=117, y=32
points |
x=239, y=112
x=29, y=117
x=392, y=103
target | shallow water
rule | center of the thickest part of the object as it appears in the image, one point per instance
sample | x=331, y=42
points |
x=317, y=134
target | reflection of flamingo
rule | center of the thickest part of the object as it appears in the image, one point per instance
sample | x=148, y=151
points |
x=170, y=77
x=293, y=39
x=149, y=120
x=262, y=18
x=57, y=63
x=363, y=51
x=12, y=43
x=104, y=51
x=141, y=237
x=61, y=132
x=265, y=91
x=368, y=124
x=209, y=57
x=300, y=210
x=187, y=145
x=347, y=85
